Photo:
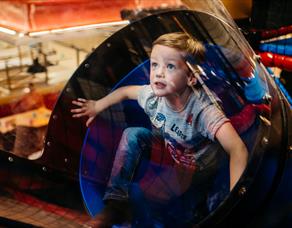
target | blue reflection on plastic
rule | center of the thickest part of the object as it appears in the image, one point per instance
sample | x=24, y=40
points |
x=281, y=86
x=284, y=91
x=92, y=191
x=255, y=88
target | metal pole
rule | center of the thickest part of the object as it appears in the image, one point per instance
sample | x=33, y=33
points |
x=20, y=58
x=77, y=56
x=7, y=75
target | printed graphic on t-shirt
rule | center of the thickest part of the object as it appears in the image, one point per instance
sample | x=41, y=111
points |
x=181, y=155
x=174, y=128
x=159, y=120
x=189, y=120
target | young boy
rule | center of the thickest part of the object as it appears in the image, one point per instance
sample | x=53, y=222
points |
x=187, y=124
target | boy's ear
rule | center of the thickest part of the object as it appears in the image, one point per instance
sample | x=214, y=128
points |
x=192, y=80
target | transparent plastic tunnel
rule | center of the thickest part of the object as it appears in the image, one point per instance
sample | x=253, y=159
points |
x=231, y=72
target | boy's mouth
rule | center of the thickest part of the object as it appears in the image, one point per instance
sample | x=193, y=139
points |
x=159, y=85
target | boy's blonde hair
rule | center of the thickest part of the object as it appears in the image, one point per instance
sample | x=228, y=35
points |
x=183, y=42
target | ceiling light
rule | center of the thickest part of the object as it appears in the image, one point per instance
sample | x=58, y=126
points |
x=7, y=31
x=79, y=28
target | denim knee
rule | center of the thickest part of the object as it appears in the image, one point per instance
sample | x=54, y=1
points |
x=135, y=134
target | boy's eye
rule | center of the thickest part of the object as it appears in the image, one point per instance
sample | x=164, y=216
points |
x=154, y=64
x=170, y=66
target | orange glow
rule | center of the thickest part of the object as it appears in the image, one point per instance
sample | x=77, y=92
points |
x=36, y=15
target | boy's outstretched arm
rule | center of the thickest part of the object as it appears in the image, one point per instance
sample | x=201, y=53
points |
x=91, y=108
x=234, y=146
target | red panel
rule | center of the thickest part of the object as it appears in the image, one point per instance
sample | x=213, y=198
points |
x=36, y=15
x=14, y=15
x=67, y=14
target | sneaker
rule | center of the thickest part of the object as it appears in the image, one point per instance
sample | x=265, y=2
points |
x=115, y=212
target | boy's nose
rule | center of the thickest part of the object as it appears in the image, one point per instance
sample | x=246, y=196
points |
x=160, y=75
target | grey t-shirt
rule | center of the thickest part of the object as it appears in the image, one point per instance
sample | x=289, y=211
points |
x=190, y=133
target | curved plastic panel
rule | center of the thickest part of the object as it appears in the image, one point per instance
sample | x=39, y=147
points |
x=97, y=152
x=122, y=59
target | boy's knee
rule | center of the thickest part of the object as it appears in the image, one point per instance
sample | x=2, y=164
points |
x=136, y=133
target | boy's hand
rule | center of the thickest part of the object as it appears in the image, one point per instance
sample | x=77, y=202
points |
x=91, y=108
x=86, y=108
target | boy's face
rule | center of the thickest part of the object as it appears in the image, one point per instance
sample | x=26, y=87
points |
x=169, y=74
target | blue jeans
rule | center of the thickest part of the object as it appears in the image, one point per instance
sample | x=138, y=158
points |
x=136, y=146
